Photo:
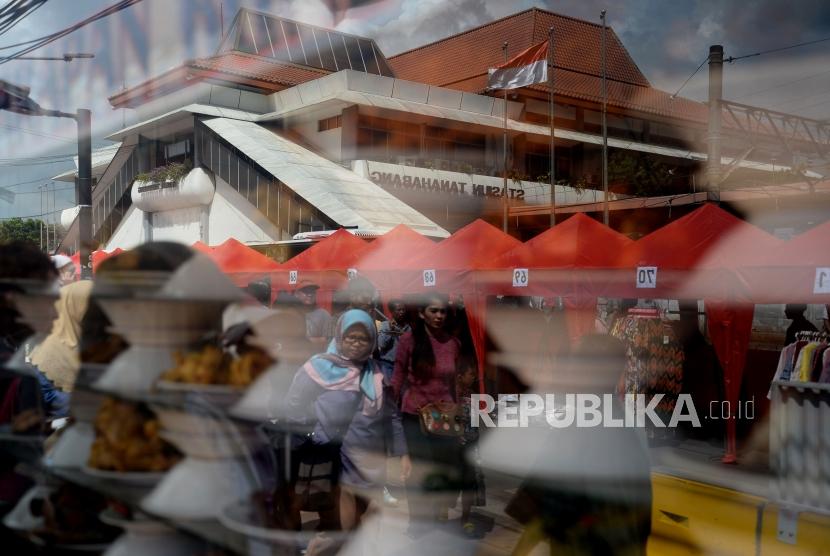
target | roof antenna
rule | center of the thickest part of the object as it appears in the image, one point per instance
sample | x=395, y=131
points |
x=221, y=21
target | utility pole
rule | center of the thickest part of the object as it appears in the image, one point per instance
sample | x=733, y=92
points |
x=84, y=190
x=551, y=109
x=16, y=99
x=713, y=136
x=504, y=197
x=605, y=216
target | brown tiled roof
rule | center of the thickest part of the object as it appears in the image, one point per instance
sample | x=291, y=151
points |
x=258, y=68
x=469, y=54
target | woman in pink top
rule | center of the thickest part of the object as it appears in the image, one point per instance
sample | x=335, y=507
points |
x=426, y=368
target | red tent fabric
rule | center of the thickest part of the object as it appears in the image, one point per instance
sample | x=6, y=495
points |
x=562, y=261
x=324, y=263
x=794, y=272
x=381, y=260
x=202, y=248
x=473, y=247
x=98, y=257
x=235, y=257
x=698, y=257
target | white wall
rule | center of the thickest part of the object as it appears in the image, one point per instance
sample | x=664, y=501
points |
x=327, y=143
x=182, y=225
x=231, y=215
x=130, y=231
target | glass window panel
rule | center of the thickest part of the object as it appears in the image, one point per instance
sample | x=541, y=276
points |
x=326, y=55
x=278, y=39
x=233, y=173
x=381, y=62
x=273, y=203
x=310, y=46
x=285, y=211
x=257, y=23
x=262, y=194
x=292, y=37
x=246, y=39
x=353, y=51
x=224, y=165
x=369, y=56
x=215, y=158
x=296, y=214
x=340, y=54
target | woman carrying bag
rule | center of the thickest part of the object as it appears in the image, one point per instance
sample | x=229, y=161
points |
x=424, y=382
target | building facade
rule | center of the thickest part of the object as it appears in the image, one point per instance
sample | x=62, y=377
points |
x=291, y=128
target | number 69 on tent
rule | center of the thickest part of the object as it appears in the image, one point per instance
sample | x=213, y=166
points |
x=646, y=277
x=429, y=278
x=520, y=277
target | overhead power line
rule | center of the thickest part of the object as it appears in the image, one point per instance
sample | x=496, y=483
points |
x=16, y=11
x=677, y=92
x=772, y=50
x=47, y=39
x=783, y=84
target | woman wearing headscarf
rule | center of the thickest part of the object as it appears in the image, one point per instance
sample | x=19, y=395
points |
x=337, y=399
x=58, y=357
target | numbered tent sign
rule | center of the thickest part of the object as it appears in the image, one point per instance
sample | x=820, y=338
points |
x=822, y=283
x=646, y=276
x=292, y=277
x=520, y=277
x=351, y=273
x=429, y=278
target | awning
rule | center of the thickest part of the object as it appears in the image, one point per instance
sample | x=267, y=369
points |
x=340, y=194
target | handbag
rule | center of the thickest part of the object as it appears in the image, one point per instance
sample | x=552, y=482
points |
x=442, y=419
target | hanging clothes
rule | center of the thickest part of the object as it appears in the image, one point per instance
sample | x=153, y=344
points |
x=654, y=359
x=805, y=360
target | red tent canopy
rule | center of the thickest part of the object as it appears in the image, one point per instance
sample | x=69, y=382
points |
x=235, y=257
x=473, y=247
x=339, y=251
x=695, y=256
x=578, y=242
x=202, y=248
x=797, y=271
x=562, y=261
x=698, y=257
x=554, y=258
x=325, y=263
x=382, y=258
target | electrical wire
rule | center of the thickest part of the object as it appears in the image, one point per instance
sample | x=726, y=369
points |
x=677, y=92
x=33, y=215
x=784, y=84
x=38, y=133
x=47, y=39
x=772, y=50
x=20, y=14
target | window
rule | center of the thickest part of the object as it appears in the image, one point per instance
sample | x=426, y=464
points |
x=330, y=123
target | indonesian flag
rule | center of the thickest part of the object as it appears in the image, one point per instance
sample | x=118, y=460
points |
x=529, y=67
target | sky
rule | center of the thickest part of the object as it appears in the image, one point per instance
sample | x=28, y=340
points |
x=667, y=39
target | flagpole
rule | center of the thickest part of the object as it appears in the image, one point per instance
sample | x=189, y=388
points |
x=605, y=217
x=551, y=109
x=504, y=192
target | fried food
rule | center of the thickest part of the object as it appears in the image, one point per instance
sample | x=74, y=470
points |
x=127, y=440
x=211, y=365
